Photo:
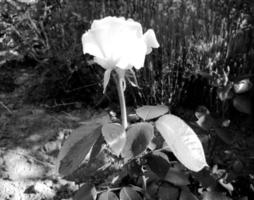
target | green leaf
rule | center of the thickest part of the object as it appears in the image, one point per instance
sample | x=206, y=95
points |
x=207, y=122
x=134, y=169
x=151, y=112
x=138, y=138
x=133, y=118
x=177, y=177
x=183, y=141
x=243, y=104
x=115, y=135
x=96, y=149
x=228, y=186
x=212, y=195
x=242, y=86
x=168, y=192
x=86, y=192
x=127, y=193
x=108, y=195
x=187, y=195
x=205, y=178
x=76, y=147
x=225, y=92
x=152, y=189
x=158, y=163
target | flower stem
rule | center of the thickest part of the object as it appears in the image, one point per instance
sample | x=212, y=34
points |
x=120, y=90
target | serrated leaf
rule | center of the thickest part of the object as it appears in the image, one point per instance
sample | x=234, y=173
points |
x=138, y=138
x=212, y=195
x=243, y=86
x=115, y=136
x=134, y=169
x=205, y=178
x=97, y=147
x=133, y=118
x=149, y=176
x=177, y=177
x=225, y=92
x=224, y=134
x=127, y=193
x=158, y=163
x=183, y=141
x=228, y=186
x=97, y=118
x=108, y=195
x=243, y=104
x=207, y=122
x=151, y=112
x=166, y=192
x=152, y=190
x=76, y=147
x=137, y=188
x=226, y=123
x=86, y=192
x=201, y=111
x=187, y=195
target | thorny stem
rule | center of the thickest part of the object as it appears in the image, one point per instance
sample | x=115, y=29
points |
x=120, y=91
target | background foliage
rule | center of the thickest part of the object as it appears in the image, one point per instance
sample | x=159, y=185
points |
x=203, y=44
x=197, y=38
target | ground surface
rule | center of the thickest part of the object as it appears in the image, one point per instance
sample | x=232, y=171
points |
x=30, y=138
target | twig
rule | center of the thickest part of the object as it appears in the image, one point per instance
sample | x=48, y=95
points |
x=82, y=87
x=58, y=105
x=59, y=121
x=4, y=106
x=45, y=163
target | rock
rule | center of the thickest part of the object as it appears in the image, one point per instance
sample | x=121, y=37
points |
x=41, y=188
x=22, y=79
x=10, y=190
x=46, y=191
x=20, y=167
x=38, y=111
x=52, y=146
x=28, y=1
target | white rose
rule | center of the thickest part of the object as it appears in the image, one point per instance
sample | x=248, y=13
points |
x=118, y=44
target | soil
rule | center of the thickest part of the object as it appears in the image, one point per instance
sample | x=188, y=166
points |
x=30, y=139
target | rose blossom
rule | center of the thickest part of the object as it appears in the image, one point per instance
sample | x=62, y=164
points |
x=118, y=44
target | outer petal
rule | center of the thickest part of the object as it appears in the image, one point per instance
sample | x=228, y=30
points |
x=137, y=54
x=129, y=47
x=98, y=39
x=150, y=40
x=104, y=62
x=106, y=22
x=90, y=45
x=109, y=21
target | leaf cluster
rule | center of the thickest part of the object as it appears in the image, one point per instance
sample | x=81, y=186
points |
x=114, y=163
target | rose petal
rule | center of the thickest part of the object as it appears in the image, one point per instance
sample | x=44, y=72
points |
x=90, y=46
x=150, y=40
x=116, y=42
